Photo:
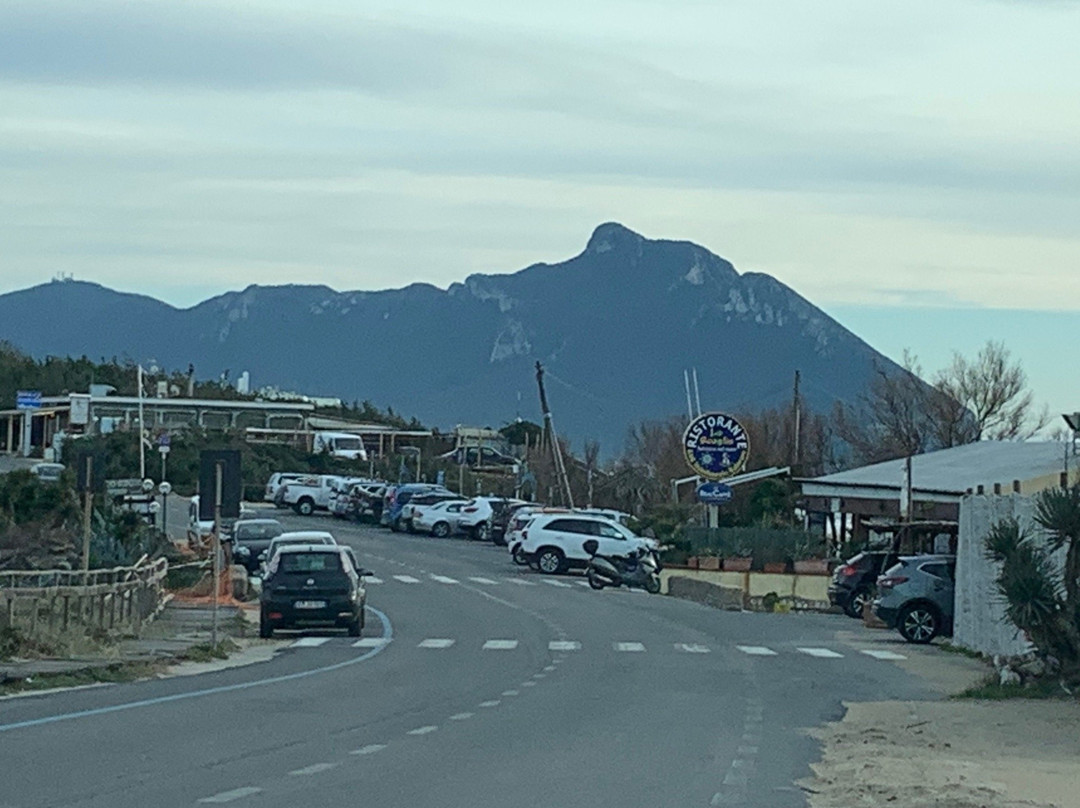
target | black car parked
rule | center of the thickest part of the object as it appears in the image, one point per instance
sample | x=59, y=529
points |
x=250, y=538
x=854, y=584
x=312, y=585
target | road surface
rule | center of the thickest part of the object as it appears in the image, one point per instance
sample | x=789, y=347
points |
x=477, y=683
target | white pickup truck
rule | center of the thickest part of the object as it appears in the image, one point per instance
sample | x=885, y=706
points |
x=310, y=493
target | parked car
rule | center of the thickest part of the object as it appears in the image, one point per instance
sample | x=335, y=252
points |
x=439, y=520
x=484, y=456
x=309, y=494
x=477, y=516
x=337, y=502
x=277, y=480
x=502, y=512
x=398, y=496
x=552, y=543
x=312, y=585
x=251, y=538
x=916, y=596
x=365, y=502
x=293, y=538
x=339, y=444
x=519, y=520
x=422, y=500
x=854, y=584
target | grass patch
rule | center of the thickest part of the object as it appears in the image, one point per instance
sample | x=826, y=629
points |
x=961, y=650
x=118, y=672
x=206, y=652
x=990, y=689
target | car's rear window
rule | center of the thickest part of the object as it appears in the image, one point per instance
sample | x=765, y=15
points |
x=258, y=531
x=310, y=562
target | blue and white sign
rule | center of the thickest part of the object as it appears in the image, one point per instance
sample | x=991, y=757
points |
x=28, y=399
x=714, y=493
x=716, y=446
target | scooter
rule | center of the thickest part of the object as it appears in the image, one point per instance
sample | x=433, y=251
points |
x=641, y=569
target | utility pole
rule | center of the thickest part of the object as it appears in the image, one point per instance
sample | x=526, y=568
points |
x=796, y=406
x=142, y=429
x=549, y=430
x=88, y=500
x=219, y=470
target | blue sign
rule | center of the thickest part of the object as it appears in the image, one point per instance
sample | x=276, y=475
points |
x=28, y=399
x=714, y=493
x=716, y=446
x=164, y=439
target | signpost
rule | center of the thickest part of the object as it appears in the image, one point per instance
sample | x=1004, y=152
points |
x=714, y=493
x=163, y=442
x=27, y=401
x=716, y=447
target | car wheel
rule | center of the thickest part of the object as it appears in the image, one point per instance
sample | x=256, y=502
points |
x=356, y=627
x=550, y=560
x=363, y=615
x=520, y=558
x=483, y=531
x=441, y=530
x=305, y=507
x=859, y=598
x=919, y=623
x=395, y=526
x=266, y=628
x=409, y=526
x=595, y=581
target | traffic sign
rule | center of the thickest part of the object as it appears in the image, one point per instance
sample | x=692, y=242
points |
x=28, y=399
x=713, y=493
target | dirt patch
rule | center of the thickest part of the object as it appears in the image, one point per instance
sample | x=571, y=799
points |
x=954, y=754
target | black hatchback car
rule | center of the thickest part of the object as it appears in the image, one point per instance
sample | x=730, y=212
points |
x=250, y=538
x=854, y=584
x=310, y=585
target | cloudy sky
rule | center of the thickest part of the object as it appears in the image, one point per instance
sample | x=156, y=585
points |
x=910, y=167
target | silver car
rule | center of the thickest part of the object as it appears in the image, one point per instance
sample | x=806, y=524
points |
x=916, y=596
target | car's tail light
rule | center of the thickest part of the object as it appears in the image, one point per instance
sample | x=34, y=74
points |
x=889, y=581
x=847, y=570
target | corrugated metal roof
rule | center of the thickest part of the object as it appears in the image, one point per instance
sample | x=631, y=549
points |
x=961, y=467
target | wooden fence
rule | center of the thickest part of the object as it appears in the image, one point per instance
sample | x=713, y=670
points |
x=56, y=600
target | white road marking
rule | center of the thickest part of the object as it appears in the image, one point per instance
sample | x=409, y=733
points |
x=500, y=645
x=314, y=768
x=485, y=581
x=442, y=579
x=629, y=646
x=310, y=642
x=549, y=668
x=509, y=693
x=539, y=675
x=370, y=642
x=435, y=643
x=371, y=579
x=556, y=583
x=521, y=582
x=492, y=703
x=583, y=583
x=756, y=650
x=883, y=654
x=406, y=579
x=229, y=796
x=422, y=730
x=820, y=653
x=370, y=749
x=748, y=751
x=528, y=684
x=691, y=648
x=461, y=716
x=564, y=645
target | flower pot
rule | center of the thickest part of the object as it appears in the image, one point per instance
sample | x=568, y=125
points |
x=812, y=566
x=709, y=563
x=737, y=564
x=776, y=567
x=692, y=563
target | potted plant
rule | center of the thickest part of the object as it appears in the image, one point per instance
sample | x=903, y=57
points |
x=740, y=561
x=775, y=567
x=709, y=561
x=808, y=560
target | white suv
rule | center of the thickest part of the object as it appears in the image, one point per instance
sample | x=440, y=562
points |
x=552, y=542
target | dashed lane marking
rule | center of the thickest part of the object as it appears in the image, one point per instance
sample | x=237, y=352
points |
x=371, y=579
x=528, y=683
x=890, y=655
x=820, y=653
x=370, y=749
x=442, y=579
x=509, y=693
x=756, y=650
x=500, y=645
x=435, y=643
x=559, y=584
x=564, y=645
x=492, y=703
x=629, y=646
x=229, y=796
x=310, y=642
x=461, y=716
x=520, y=582
x=314, y=768
x=406, y=579
x=691, y=648
x=370, y=642
x=484, y=581
x=583, y=583
x=422, y=730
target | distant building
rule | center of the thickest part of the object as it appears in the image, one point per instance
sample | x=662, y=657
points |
x=243, y=384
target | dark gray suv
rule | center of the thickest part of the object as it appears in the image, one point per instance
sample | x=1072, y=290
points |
x=916, y=596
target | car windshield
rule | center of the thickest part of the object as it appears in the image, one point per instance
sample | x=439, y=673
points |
x=309, y=562
x=348, y=444
x=249, y=532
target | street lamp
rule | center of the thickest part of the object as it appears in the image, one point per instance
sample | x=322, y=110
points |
x=164, y=489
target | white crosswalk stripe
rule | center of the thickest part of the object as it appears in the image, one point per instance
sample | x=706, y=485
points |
x=583, y=583
x=556, y=583
x=564, y=645
x=435, y=643
x=371, y=579
x=756, y=650
x=406, y=579
x=442, y=579
x=820, y=653
x=500, y=645
x=691, y=648
x=520, y=582
x=370, y=642
x=484, y=581
x=629, y=646
x=310, y=642
x=889, y=655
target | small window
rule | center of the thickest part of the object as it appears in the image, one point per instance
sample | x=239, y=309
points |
x=937, y=570
x=609, y=531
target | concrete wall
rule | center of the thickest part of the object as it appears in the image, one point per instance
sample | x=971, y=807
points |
x=759, y=584
x=980, y=622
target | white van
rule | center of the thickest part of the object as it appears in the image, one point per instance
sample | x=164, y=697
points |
x=339, y=444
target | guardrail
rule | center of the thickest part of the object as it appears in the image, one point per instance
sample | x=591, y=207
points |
x=121, y=597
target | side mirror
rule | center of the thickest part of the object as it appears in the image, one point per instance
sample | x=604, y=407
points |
x=362, y=572
x=243, y=552
x=591, y=546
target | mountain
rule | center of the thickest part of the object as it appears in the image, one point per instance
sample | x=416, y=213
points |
x=615, y=326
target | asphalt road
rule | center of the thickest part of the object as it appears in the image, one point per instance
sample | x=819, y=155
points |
x=477, y=683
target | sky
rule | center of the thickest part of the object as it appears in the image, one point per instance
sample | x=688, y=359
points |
x=912, y=168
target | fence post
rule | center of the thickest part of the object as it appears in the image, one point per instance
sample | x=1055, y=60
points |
x=67, y=604
x=10, y=601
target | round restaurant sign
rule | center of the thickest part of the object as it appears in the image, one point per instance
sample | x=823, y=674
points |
x=716, y=446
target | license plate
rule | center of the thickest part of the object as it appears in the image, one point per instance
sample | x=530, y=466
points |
x=310, y=604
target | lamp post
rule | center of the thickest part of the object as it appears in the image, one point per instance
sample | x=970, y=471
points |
x=164, y=489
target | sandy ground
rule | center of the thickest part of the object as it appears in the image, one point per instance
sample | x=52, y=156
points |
x=950, y=754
